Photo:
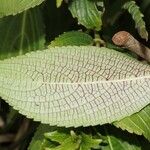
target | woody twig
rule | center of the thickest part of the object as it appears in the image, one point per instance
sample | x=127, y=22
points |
x=126, y=40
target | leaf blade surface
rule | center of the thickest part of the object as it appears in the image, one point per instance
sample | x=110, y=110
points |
x=75, y=86
x=12, y=7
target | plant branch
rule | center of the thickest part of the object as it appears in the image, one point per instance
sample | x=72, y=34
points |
x=6, y=138
x=126, y=40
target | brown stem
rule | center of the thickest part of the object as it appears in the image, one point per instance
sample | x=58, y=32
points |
x=6, y=138
x=1, y=122
x=126, y=40
x=22, y=130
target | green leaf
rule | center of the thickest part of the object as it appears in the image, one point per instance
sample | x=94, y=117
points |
x=72, y=38
x=138, y=123
x=65, y=140
x=137, y=16
x=89, y=142
x=116, y=144
x=57, y=136
x=58, y=3
x=75, y=85
x=68, y=143
x=39, y=142
x=72, y=141
x=87, y=13
x=12, y=7
x=21, y=33
x=120, y=141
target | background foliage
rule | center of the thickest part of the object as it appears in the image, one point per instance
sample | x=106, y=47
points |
x=27, y=26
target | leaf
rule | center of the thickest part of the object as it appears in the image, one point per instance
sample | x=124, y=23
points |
x=88, y=142
x=57, y=136
x=21, y=33
x=116, y=144
x=72, y=38
x=138, y=123
x=75, y=86
x=137, y=16
x=39, y=142
x=66, y=141
x=59, y=3
x=62, y=139
x=12, y=7
x=87, y=13
x=67, y=144
x=72, y=141
x=120, y=141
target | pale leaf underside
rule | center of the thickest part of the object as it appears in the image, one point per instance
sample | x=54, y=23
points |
x=75, y=86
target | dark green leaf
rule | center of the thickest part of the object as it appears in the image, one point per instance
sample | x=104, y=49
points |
x=117, y=140
x=21, y=33
x=12, y=7
x=138, y=123
x=72, y=38
x=87, y=13
x=137, y=16
x=39, y=142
